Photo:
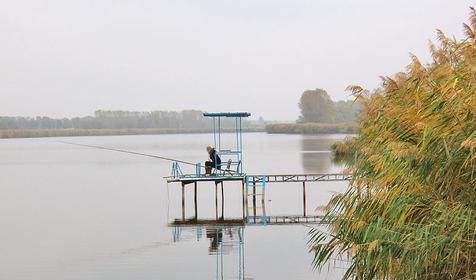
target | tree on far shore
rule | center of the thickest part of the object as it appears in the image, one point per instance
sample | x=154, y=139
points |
x=317, y=106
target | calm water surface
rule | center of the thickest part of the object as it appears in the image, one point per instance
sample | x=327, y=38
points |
x=69, y=212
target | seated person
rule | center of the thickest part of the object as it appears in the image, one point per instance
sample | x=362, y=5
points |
x=214, y=162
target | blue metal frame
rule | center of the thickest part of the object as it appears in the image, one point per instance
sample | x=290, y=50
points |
x=235, y=154
x=262, y=184
x=176, y=171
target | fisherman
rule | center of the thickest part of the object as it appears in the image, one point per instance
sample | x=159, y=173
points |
x=214, y=162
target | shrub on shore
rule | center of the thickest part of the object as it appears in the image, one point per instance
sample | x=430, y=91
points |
x=342, y=150
x=410, y=212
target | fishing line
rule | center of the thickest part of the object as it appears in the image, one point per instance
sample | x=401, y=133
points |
x=132, y=152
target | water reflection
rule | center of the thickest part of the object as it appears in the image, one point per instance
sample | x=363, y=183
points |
x=226, y=235
x=315, y=153
x=223, y=242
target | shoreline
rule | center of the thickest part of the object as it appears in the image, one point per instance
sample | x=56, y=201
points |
x=311, y=128
x=47, y=133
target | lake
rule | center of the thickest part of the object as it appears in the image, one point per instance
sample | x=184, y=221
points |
x=71, y=212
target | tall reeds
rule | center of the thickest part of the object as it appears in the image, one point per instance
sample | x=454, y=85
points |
x=410, y=212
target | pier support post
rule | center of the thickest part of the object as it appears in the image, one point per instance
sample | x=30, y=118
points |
x=254, y=199
x=304, y=198
x=216, y=201
x=263, y=205
x=222, y=201
x=244, y=198
x=263, y=194
x=195, y=199
x=183, y=201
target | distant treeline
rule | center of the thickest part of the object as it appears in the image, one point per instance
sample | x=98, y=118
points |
x=187, y=119
x=311, y=128
x=28, y=133
x=319, y=114
x=117, y=123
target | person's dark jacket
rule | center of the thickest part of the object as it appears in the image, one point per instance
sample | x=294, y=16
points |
x=216, y=160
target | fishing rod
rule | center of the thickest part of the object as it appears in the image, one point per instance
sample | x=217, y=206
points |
x=132, y=152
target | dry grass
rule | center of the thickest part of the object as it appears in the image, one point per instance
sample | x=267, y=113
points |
x=411, y=210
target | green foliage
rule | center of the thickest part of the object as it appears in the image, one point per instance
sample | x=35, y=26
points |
x=311, y=128
x=346, y=111
x=410, y=212
x=319, y=114
x=342, y=150
x=317, y=106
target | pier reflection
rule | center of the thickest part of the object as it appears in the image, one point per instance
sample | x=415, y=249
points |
x=226, y=235
x=225, y=242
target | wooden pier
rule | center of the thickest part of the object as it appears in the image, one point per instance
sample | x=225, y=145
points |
x=273, y=178
x=253, y=220
x=300, y=178
x=285, y=220
x=254, y=186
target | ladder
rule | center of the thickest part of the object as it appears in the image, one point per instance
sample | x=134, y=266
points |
x=255, y=187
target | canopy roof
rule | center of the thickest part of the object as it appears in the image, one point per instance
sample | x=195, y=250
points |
x=228, y=114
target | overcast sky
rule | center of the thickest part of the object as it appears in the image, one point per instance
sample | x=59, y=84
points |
x=69, y=58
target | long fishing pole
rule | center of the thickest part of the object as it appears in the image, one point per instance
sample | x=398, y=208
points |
x=132, y=152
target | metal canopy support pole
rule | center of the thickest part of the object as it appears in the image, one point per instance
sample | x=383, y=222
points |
x=237, y=148
x=241, y=149
x=263, y=181
x=214, y=133
x=219, y=134
x=304, y=197
x=195, y=199
x=183, y=201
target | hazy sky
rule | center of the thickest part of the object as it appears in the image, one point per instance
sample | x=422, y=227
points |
x=69, y=58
